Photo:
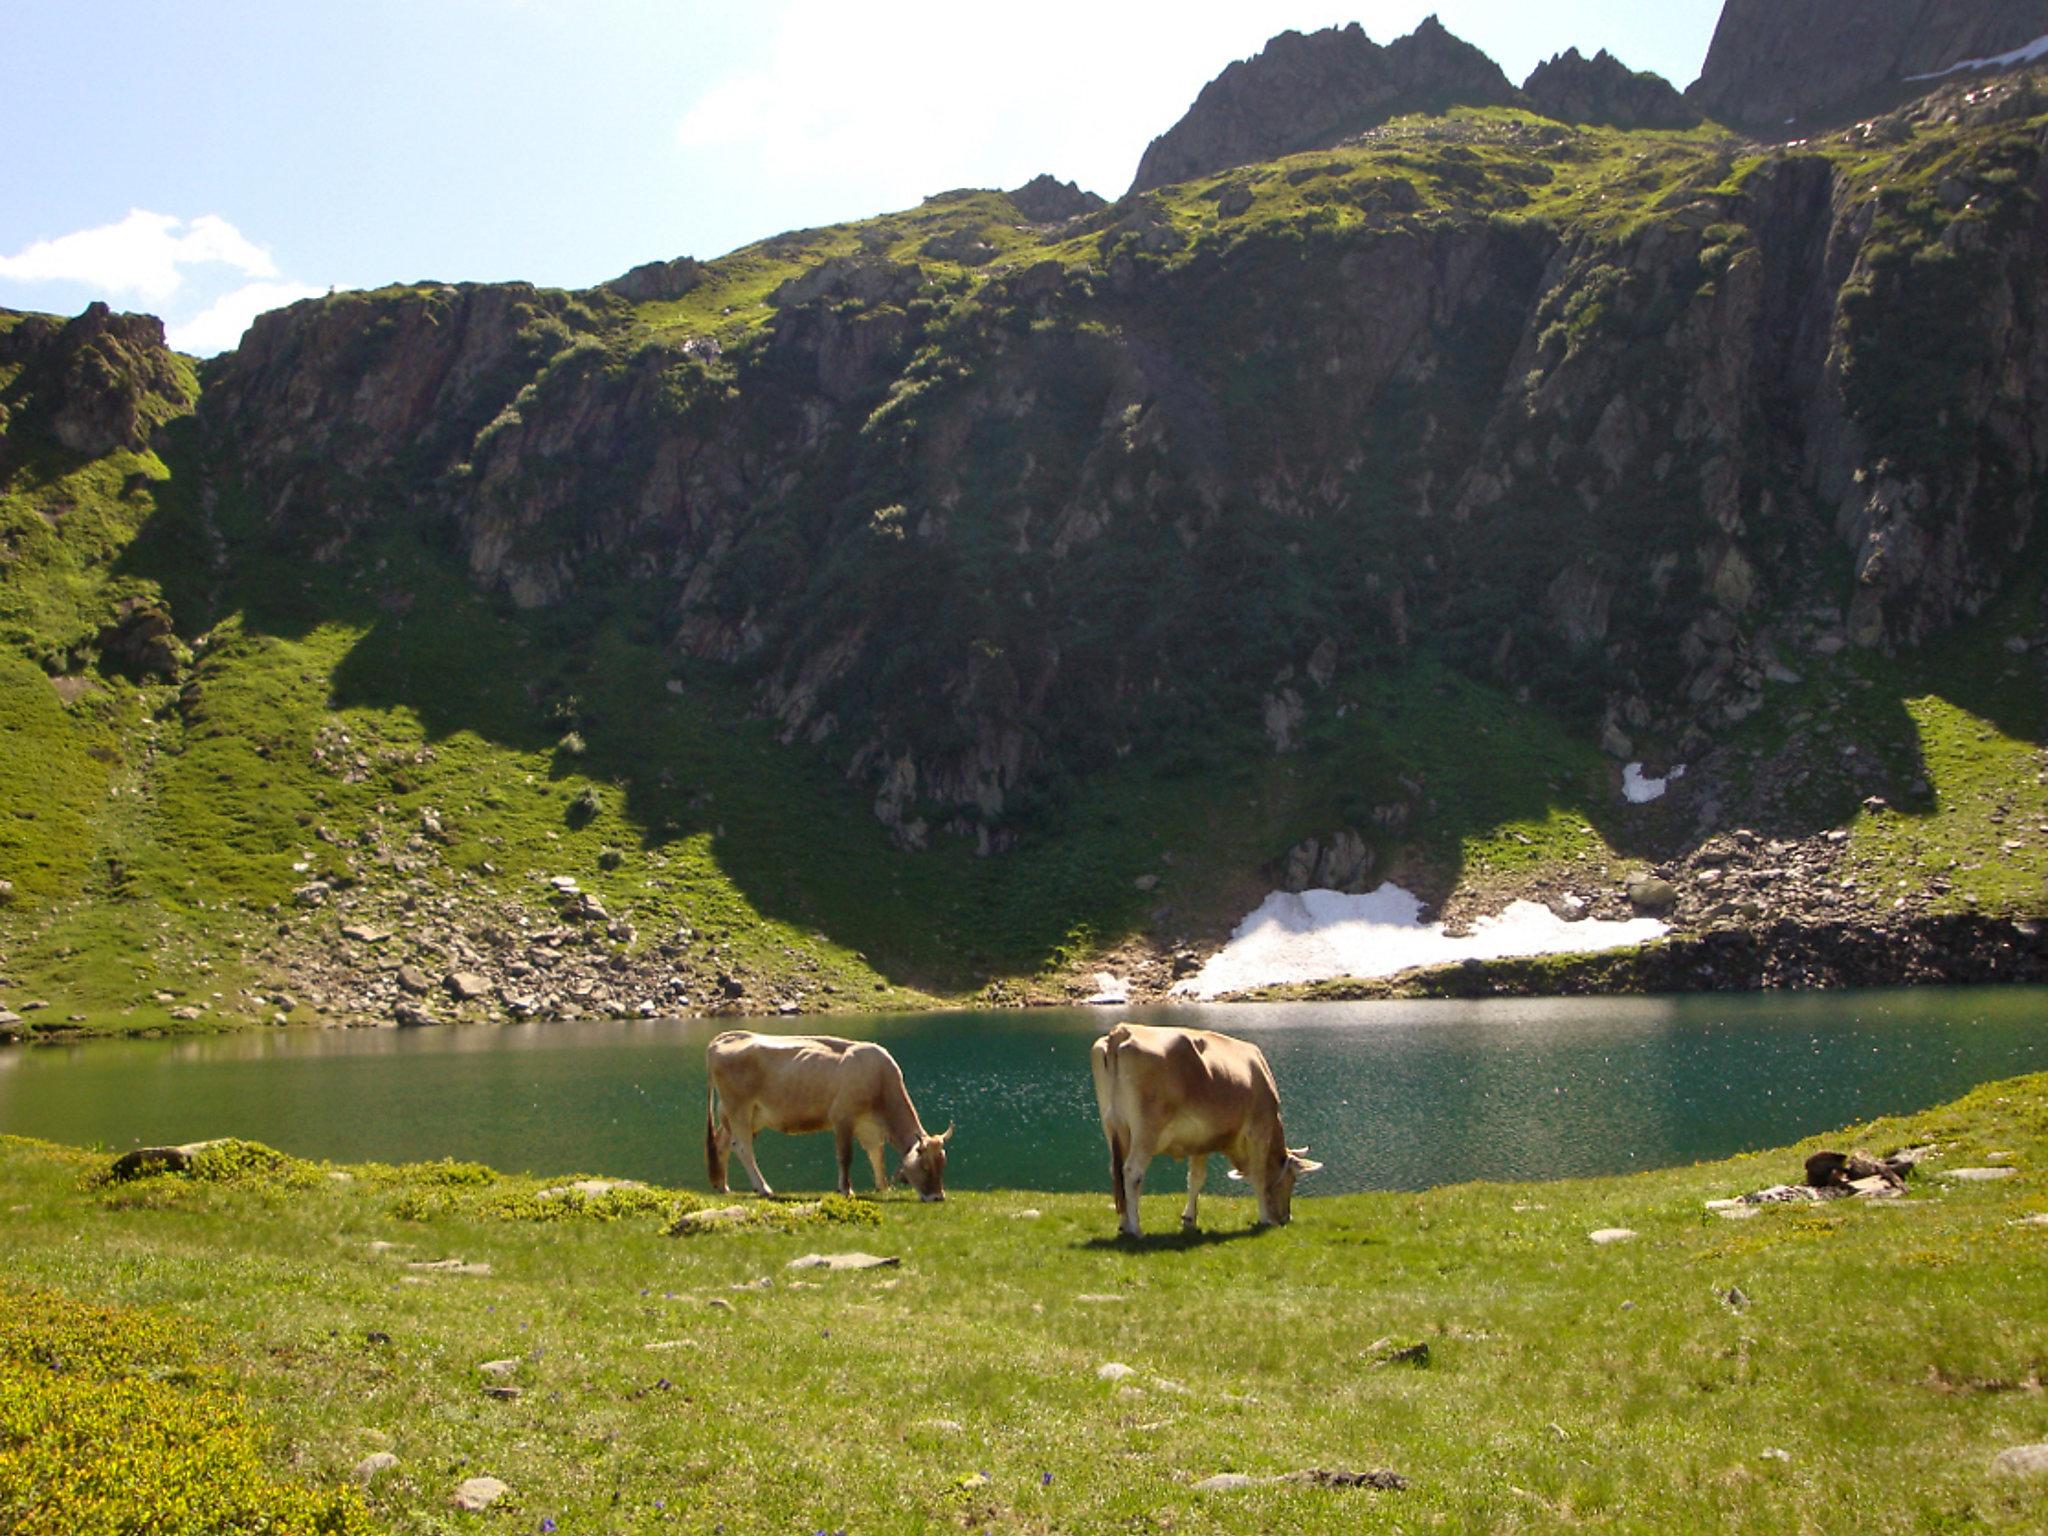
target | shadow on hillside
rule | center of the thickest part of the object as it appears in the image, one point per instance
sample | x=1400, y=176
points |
x=800, y=841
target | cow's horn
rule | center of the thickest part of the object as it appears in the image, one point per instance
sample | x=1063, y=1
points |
x=948, y=1135
x=1300, y=1151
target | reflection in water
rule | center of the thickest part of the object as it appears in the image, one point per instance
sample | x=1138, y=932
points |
x=1391, y=1095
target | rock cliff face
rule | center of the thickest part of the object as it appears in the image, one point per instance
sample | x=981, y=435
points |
x=1306, y=92
x=1804, y=64
x=967, y=544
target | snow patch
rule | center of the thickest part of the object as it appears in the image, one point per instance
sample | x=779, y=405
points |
x=1110, y=991
x=2037, y=49
x=1640, y=789
x=1323, y=935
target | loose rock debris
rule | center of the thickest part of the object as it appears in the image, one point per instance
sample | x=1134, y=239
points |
x=1834, y=1176
x=1380, y=1480
x=449, y=1267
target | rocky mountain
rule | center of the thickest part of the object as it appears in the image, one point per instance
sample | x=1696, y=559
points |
x=977, y=596
x=1305, y=92
x=1805, y=64
x=1574, y=89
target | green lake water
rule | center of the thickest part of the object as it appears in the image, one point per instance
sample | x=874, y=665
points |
x=1390, y=1095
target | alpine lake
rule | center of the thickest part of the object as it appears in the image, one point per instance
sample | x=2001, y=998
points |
x=1389, y=1095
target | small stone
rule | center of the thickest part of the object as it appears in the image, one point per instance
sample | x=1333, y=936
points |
x=1774, y=1453
x=1100, y=1299
x=1223, y=1482
x=1735, y=1298
x=1610, y=1235
x=1976, y=1175
x=1029, y=1213
x=974, y=1480
x=504, y=1394
x=499, y=1367
x=374, y=1465
x=1114, y=1370
x=415, y=980
x=2021, y=1461
x=363, y=935
x=719, y=1303
x=478, y=1493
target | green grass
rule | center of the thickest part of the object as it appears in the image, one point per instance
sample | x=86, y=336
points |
x=1889, y=1350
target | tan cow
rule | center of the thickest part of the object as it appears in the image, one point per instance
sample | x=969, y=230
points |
x=802, y=1083
x=1189, y=1093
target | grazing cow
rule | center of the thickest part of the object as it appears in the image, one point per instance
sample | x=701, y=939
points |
x=1188, y=1093
x=802, y=1083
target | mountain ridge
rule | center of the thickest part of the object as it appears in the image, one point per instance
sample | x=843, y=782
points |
x=959, y=601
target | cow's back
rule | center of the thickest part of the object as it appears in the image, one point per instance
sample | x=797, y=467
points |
x=803, y=1081
x=1192, y=1089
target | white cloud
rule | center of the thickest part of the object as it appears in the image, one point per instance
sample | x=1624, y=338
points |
x=145, y=254
x=220, y=325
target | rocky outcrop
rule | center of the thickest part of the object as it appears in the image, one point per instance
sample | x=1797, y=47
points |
x=393, y=386
x=1603, y=90
x=1308, y=92
x=93, y=384
x=1046, y=200
x=1782, y=66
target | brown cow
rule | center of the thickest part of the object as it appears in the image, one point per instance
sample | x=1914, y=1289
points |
x=1188, y=1093
x=802, y=1083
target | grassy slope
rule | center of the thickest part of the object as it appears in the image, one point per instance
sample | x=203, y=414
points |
x=1890, y=1350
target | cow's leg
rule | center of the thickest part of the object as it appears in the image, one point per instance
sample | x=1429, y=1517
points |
x=842, y=1143
x=743, y=1143
x=878, y=1159
x=1198, y=1172
x=1116, y=1171
x=717, y=1142
x=1136, y=1161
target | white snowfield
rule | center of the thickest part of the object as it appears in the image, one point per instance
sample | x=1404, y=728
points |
x=2037, y=49
x=1638, y=788
x=1325, y=935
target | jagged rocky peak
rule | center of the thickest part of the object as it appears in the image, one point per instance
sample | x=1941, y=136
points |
x=1794, y=65
x=95, y=383
x=1309, y=91
x=1575, y=89
x=1046, y=200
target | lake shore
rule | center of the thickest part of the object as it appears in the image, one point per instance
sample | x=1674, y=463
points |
x=1908, y=950
x=404, y=1331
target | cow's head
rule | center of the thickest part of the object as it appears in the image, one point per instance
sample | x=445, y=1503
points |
x=1276, y=1189
x=924, y=1166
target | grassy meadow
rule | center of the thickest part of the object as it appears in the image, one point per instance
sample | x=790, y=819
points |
x=1877, y=1357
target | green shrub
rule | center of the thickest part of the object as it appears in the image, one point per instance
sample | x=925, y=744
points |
x=109, y=1426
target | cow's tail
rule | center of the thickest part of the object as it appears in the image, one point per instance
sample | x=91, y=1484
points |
x=1104, y=1064
x=714, y=1148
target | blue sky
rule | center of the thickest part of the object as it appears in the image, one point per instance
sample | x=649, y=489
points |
x=205, y=159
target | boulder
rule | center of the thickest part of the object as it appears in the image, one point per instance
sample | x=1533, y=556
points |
x=465, y=986
x=1652, y=894
x=476, y=1494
